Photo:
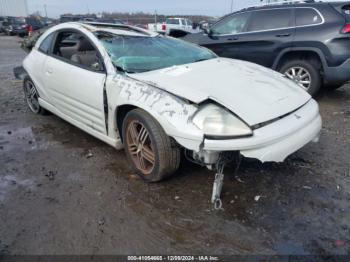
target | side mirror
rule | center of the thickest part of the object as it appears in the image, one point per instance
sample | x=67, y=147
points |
x=208, y=31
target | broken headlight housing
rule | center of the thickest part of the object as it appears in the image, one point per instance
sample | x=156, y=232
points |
x=217, y=122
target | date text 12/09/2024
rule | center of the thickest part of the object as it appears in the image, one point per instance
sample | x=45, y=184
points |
x=173, y=258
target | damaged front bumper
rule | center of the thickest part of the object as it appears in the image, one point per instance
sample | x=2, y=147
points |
x=277, y=140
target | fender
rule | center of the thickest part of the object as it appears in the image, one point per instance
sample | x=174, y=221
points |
x=292, y=49
x=173, y=113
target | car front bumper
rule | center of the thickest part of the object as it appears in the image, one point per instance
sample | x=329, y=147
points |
x=277, y=140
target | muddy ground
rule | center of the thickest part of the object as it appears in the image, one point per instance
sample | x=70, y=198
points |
x=64, y=192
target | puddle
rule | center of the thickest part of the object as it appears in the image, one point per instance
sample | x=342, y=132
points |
x=11, y=182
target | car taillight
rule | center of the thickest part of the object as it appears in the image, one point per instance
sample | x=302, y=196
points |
x=346, y=29
x=164, y=27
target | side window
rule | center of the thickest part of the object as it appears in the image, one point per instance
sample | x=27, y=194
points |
x=270, y=19
x=46, y=44
x=183, y=21
x=77, y=49
x=307, y=16
x=231, y=25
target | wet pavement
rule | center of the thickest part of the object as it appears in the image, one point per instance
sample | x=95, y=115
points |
x=64, y=192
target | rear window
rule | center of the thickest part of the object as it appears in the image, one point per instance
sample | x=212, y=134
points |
x=307, y=16
x=270, y=19
x=173, y=21
x=346, y=11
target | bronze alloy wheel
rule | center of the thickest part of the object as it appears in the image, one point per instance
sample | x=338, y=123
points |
x=153, y=155
x=139, y=145
x=31, y=96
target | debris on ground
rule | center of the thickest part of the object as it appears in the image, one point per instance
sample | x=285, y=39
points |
x=176, y=197
x=239, y=179
x=307, y=187
x=257, y=198
x=51, y=175
x=89, y=155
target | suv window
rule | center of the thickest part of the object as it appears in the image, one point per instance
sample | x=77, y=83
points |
x=307, y=16
x=270, y=19
x=233, y=24
x=46, y=44
x=77, y=49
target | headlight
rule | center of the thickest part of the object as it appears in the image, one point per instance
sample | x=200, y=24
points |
x=219, y=122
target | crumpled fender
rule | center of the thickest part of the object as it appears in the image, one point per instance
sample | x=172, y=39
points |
x=174, y=114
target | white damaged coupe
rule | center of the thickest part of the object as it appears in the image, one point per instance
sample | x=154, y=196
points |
x=155, y=96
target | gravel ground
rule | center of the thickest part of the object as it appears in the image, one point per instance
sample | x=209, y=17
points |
x=64, y=192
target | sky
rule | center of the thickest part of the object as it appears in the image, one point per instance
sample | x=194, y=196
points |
x=167, y=7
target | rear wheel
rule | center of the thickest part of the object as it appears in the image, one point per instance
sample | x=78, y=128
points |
x=153, y=155
x=304, y=73
x=32, y=97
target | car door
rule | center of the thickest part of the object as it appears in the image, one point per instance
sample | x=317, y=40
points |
x=268, y=32
x=222, y=37
x=75, y=80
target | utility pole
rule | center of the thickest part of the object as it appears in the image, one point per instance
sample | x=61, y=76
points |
x=45, y=8
x=155, y=16
x=231, y=6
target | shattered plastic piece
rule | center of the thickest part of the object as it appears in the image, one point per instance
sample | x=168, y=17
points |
x=239, y=180
x=257, y=198
x=89, y=155
x=307, y=187
x=176, y=197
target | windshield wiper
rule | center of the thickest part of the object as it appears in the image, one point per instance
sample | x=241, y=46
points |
x=200, y=60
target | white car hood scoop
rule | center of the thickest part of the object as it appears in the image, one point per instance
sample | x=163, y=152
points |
x=254, y=93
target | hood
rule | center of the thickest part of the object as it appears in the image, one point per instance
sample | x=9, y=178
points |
x=254, y=93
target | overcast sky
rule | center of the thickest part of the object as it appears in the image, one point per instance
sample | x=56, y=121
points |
x=207, y=7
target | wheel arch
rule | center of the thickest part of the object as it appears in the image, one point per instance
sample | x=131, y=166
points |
x=302, y=53
x=172, y=112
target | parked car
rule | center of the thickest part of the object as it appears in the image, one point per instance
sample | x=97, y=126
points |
x=308, y=42
x=155, y=95
x=2, y=19
x=15, y=26
x=174, y=26
x=34, y=22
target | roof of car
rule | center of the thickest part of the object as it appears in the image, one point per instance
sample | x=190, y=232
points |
x=307, y=3
x=119, y=29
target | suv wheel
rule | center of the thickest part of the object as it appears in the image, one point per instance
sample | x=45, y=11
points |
x=304, y=73
x=152, y=153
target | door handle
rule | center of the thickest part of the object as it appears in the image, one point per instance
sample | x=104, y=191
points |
x=283, y=35
x=49, y=71
x=232, y=39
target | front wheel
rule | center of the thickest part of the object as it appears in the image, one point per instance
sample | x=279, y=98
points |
x=304, y=73
x=152, y=154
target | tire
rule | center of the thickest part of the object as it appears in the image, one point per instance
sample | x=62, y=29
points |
x=314, y=74
x=333, y=86
x=31, y=96
x=166, y=155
